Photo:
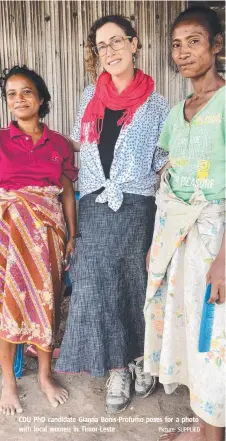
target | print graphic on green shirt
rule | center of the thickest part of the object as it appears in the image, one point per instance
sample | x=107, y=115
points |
x=197, y=149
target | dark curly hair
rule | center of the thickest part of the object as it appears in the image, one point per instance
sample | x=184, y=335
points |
x=38, y=81
x=121, y=21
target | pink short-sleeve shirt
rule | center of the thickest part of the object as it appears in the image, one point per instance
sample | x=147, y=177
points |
x=23, y=163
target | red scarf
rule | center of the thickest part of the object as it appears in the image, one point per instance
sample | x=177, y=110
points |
x=106, y=95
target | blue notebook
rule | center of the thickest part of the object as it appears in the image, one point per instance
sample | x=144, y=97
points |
x=206, y=326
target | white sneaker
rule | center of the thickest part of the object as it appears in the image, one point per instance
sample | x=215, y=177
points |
x=145, y=383
x=118, y=390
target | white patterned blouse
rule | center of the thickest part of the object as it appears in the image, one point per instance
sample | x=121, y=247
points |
x=137, y=159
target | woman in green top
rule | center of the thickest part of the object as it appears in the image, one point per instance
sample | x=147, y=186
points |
x=188, y=249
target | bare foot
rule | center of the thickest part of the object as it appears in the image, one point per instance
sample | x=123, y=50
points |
x=10, y=403
x=55, y=394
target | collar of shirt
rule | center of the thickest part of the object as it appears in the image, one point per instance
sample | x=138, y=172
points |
x=15, y=132
x=25, y=164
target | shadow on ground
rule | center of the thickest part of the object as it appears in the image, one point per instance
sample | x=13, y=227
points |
x=83, y=417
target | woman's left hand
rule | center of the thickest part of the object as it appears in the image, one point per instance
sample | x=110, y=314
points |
x=216, y=276
x=69, y=251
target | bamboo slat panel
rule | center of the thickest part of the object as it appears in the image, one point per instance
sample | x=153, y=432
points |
x=49, y=36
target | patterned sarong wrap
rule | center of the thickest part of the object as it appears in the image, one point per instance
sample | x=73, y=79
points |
x=32, y=239
x=187, y=238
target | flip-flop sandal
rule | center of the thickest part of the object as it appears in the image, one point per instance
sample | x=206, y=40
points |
x=31, y=352
x=56, y=353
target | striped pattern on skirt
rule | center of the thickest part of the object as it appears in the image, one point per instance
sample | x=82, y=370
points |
x=32, y=233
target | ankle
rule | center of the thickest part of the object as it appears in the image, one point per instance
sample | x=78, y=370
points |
x=8, y=380
x=44, y=376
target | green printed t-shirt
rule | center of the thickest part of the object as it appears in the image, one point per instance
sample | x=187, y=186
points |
x=197, y=149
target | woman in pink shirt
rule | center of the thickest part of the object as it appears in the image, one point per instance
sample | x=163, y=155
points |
x=36, y=164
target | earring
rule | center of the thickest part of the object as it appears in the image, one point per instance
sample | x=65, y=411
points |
x=134, y=60
x=98, y=66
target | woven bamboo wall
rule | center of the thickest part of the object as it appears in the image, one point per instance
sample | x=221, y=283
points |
x=49, y=36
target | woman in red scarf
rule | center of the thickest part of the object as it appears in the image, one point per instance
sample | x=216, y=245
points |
x=117, y=127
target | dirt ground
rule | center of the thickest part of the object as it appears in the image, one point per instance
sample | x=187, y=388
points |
x=145, y=419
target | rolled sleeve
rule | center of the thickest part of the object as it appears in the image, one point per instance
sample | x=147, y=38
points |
x=161, y=158
x=68, y=167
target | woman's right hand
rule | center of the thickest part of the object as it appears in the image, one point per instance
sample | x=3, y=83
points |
x=148, y=260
